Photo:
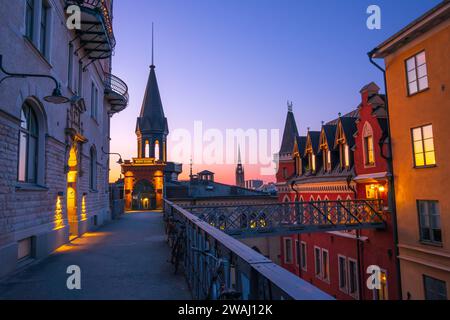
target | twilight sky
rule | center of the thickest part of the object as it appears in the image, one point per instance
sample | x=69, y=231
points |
x=235, y=63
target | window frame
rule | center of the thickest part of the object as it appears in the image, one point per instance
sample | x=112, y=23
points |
x=423, y=146
x=430, y=241
x=30, y=9
x=343, y=289
x=325, y=264
x=291, y=260
x=354, y=294
x=28, y=134
x=318, y=263
x=416, y=67
x=424, y=278
x=304, y=262
x=93, y=169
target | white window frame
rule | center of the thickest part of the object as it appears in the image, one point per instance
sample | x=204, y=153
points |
x=286, y=261
x=345, y=288
x=356, y=293
x=303, y=262
x=415, y=72
x=317, y=265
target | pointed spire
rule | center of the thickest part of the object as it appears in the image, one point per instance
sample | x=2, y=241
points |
x=290, y=132
x=152, y=116
x=239, y=155
x=153, y=47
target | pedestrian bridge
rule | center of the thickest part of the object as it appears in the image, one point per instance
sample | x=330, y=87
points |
x=262, y=220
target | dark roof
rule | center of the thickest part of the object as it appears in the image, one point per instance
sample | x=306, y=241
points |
x=152, y=113
x=205, y=172
x=301, y=144
x=210, y=189
x=330, y=134
x=418, y=27
x=289, y=135
x=351, y=114
x=315, y=139
x=349, y=126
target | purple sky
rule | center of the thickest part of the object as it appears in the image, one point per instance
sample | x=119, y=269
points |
x=235, y=63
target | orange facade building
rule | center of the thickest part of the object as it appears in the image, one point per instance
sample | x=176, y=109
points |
x=417, y=61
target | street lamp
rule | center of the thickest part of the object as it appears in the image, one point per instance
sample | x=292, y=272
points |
x=56, y=97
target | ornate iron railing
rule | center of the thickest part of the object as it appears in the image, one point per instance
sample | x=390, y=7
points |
x=292, y=218
x=118, y=87
x=217, y=266
x=98, y=8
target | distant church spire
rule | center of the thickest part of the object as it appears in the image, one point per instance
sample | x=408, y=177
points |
x=240, y=177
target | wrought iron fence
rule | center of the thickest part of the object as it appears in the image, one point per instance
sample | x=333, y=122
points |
x=219, y=267
x=293, y=218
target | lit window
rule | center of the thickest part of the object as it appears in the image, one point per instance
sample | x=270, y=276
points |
x=298, y=165
x=368, y=149
x=423, y=145
x=429, y=221
x=288, y=250
x=347, y=156
x=28, y=146
x=382, y=292
x=434, y=289
x=329, y=160
x=313, y=162
x=416, y=68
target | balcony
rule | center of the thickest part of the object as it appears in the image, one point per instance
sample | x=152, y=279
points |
x=116, y=92
x=96, y=33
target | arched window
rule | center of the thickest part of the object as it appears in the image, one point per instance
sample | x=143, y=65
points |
x=369, y=154
x=147, y=149
x=28, y=145
x=298, y=164
x=157, y=155
x=93, y=169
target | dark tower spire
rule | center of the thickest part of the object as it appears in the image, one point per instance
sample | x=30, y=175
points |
x=240, y=177
x=152, y=127
x=290, y=132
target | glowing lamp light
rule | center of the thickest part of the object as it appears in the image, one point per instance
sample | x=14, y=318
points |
x=381, y=188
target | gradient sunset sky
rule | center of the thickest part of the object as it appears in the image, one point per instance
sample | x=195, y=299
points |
x=235, y=63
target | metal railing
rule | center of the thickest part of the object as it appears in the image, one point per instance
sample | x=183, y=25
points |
x=219, y=267
x=99, y=8
x=118, y=86
x=293, y=218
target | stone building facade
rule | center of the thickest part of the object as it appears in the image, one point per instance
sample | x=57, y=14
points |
x=54, y=157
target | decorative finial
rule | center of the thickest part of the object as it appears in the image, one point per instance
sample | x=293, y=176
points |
x=323, y=122
x=309, y=129
x=340, y=114
x=290, y=106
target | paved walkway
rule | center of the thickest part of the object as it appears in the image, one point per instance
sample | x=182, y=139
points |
x=126, y=259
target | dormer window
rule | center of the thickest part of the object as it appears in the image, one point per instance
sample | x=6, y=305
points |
x=312, y=161
x=344, y=149
x=369, y=153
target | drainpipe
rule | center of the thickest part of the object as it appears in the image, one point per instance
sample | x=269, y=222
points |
x=391, y=191
x=299, y=239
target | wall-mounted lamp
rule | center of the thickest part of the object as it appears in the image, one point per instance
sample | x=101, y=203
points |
x=56, y=97
x=112, y=153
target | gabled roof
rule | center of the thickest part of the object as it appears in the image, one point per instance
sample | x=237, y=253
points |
x=349, y=128
x=152, y=116
x=351, y=114
x=301, y=144
x=415, y=29
x=313, y=138
x=329, y=131
x=289, y=135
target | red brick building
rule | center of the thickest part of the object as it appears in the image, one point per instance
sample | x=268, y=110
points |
x=345, y=160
